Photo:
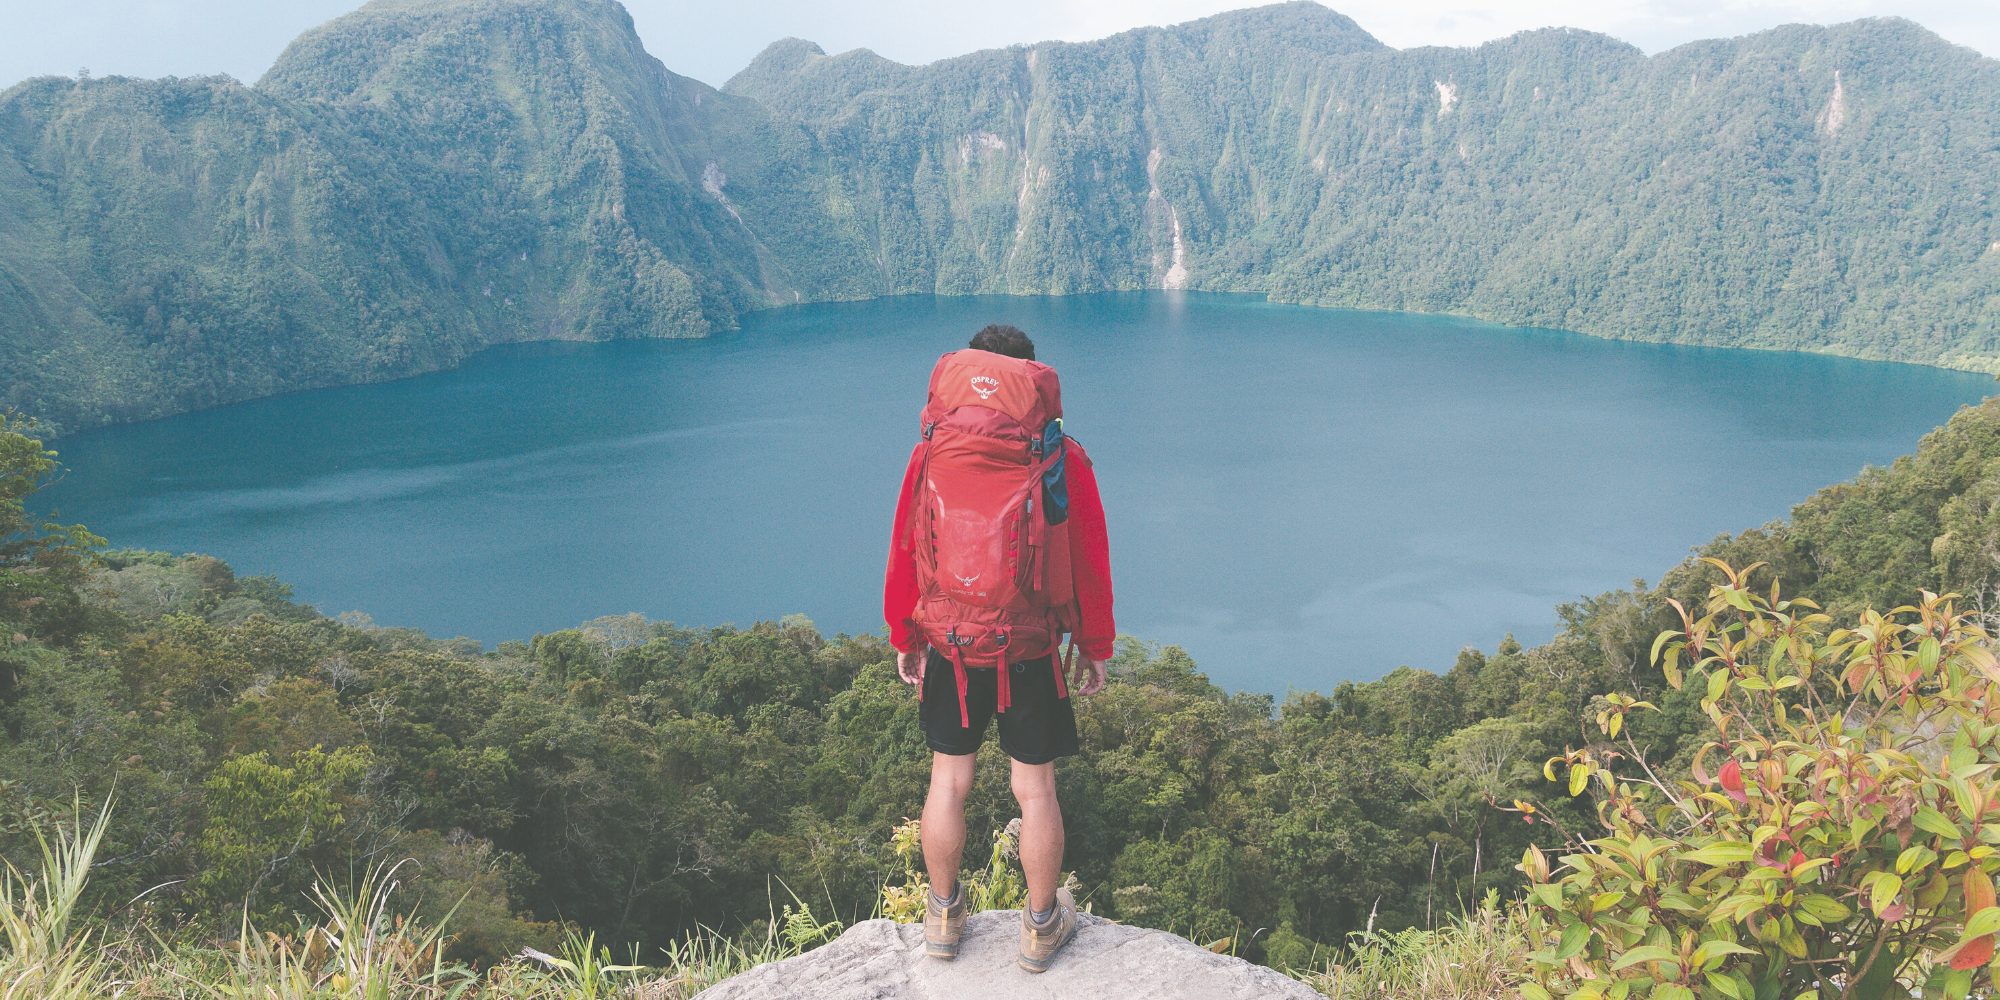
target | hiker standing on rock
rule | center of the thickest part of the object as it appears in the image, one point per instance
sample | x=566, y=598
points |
x=999, y=551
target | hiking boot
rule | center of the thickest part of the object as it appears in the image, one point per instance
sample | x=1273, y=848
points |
x=944, y=923
x=1040, y=942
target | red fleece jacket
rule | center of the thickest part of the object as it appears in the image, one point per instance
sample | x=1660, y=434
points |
x=1089, y=557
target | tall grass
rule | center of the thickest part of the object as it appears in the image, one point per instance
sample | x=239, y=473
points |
x=43, y=959
x=1475, y=957
x=362, y=949
x=359, y=948
x=705, y=958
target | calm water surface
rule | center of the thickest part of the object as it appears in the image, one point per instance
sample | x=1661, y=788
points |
x=1296, y=495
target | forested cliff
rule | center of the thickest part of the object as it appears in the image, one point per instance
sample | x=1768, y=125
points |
x=425, y=177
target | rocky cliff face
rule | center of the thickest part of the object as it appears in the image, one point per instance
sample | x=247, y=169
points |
x=880, y=960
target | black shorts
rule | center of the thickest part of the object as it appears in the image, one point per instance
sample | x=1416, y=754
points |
x=1036, y=729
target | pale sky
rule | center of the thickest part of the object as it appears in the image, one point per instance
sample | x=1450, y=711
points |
x=711, y=40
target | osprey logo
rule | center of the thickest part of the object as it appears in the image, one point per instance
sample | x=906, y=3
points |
x=967, y=580
x=985, y=386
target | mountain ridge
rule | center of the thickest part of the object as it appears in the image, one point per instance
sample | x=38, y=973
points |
x=418, y=179
x=1436, y=97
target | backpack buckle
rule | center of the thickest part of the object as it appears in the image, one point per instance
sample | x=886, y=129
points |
x=1035, y=447
x=927, y=430
x=951, y=638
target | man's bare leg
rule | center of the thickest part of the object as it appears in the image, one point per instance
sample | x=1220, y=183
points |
x=943, y=828
x=1041, y=830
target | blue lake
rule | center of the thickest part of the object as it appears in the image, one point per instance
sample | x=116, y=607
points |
x=1295, y=495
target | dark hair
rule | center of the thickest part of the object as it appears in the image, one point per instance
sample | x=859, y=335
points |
x=1002, y=339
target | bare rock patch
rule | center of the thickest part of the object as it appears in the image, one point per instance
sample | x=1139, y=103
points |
x=882, y=960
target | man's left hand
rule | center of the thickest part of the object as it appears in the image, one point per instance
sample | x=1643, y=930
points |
x=1090, y=675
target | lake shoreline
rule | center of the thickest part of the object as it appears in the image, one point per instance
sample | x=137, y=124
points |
x=60, y=433
x=1454, y=477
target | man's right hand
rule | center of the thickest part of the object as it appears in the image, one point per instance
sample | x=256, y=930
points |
x=1090, y=675
x=910, y=666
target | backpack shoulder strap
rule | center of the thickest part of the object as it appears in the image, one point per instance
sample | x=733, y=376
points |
x=923, y=544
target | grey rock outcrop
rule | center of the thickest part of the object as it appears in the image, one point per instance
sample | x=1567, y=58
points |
x=881, y=960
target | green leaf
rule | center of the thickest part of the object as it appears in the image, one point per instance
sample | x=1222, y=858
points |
x=1957, y=983
x=1931, y=821
x=1826, y=908
x=1534, y=991
x=1984, y=922
x=1659, y=641
x=1574, y=937
x=1727, y=852
x=1962, y=794
x=1726, y=985
x=1672, y=991
x=1738, y=907
x=1714, y=948
x=1863, y=826
x=1579, y=776
x=1645, y=953
x=1884, y=893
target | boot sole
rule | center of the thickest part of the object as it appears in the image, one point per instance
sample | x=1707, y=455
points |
x=937, y=949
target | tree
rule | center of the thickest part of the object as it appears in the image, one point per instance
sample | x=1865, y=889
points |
x=41, y=565
x=266, y=823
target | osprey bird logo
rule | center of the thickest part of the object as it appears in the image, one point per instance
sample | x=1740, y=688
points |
x=967, y=580
x=985, y=386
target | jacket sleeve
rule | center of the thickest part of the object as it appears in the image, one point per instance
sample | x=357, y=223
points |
x=899, y=581
x=1090, y=558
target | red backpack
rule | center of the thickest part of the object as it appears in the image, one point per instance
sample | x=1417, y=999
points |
x=992, y=531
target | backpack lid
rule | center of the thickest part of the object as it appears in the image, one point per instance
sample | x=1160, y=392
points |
x=1028, y=391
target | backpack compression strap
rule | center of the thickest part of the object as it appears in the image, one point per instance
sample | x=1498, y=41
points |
x=1062, y=658
x=958, y=665
x=1004, y=692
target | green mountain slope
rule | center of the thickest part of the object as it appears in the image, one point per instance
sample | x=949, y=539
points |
x=407, y=185
x=1804, y=188
x=423, y=178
